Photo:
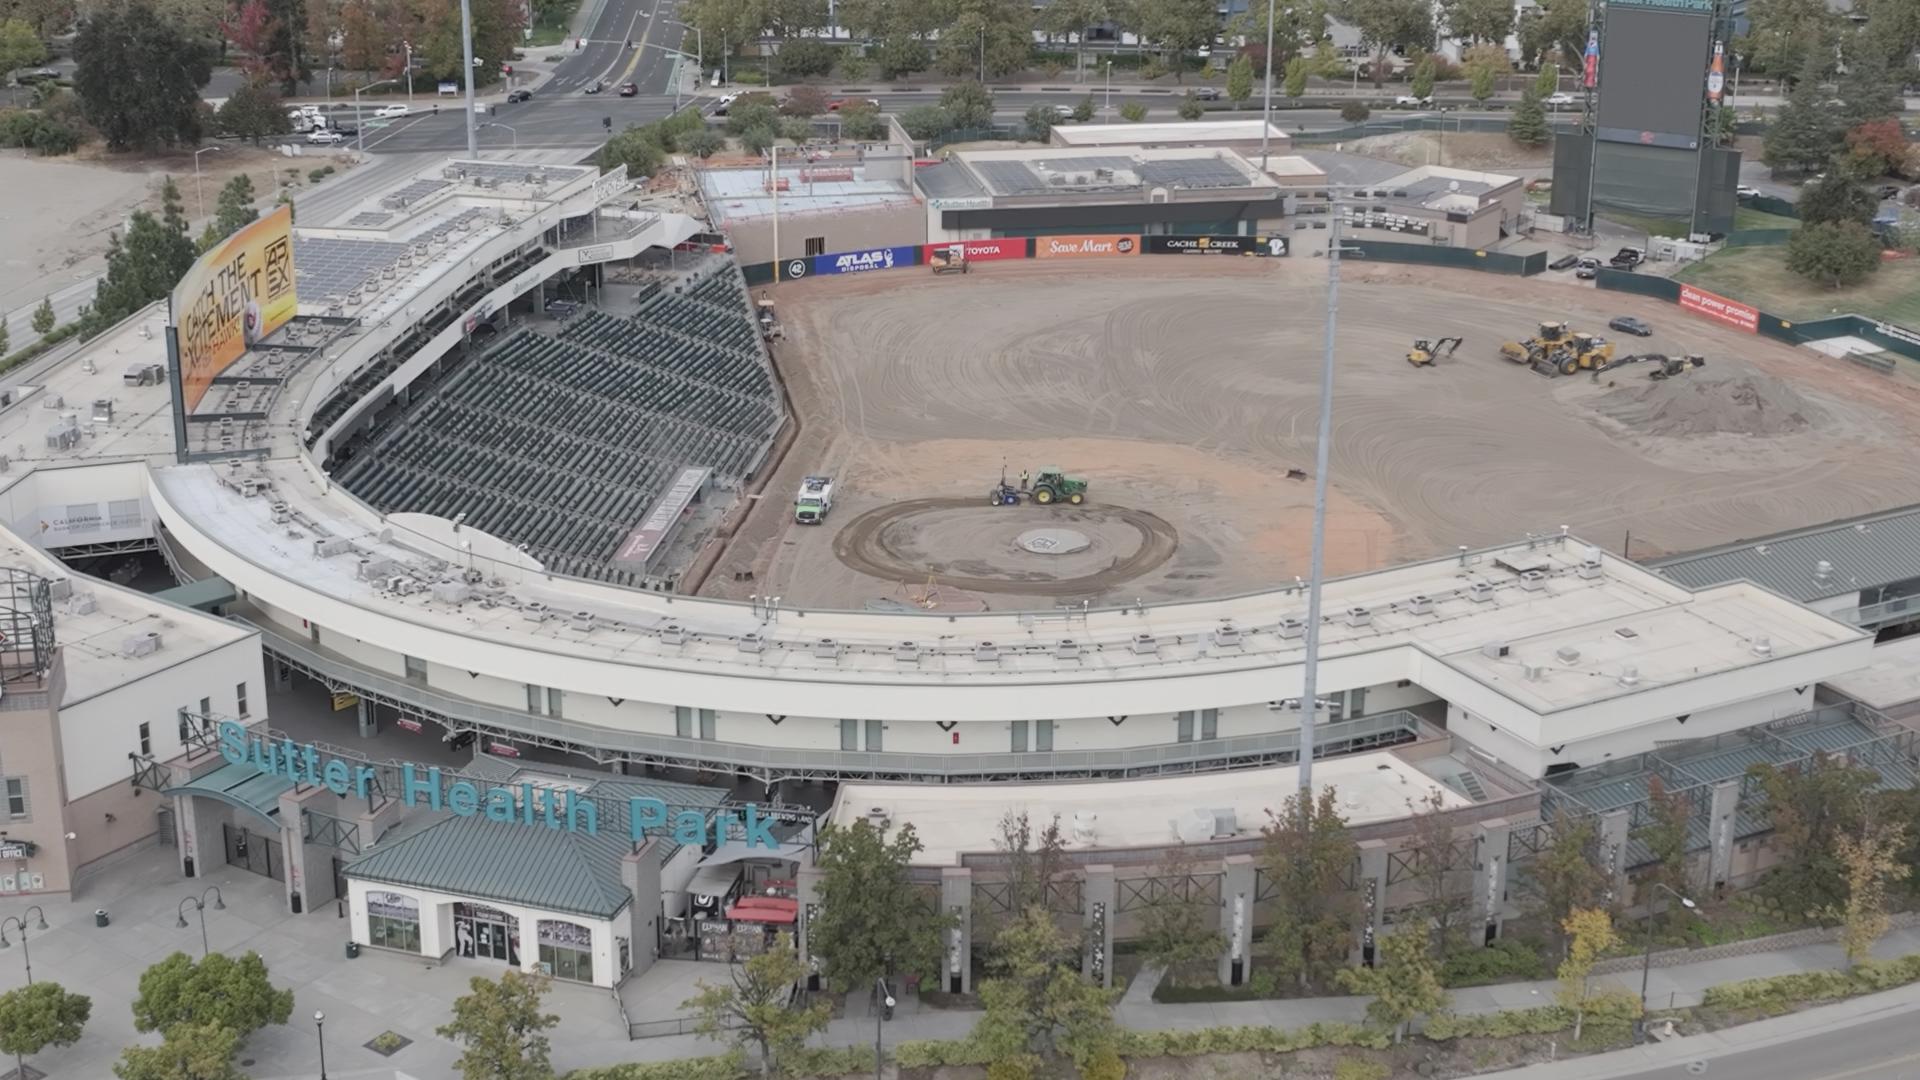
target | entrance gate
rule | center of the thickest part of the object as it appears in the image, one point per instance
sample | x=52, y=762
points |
x=254, y=853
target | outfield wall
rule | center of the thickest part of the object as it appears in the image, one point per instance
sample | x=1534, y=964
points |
x=1889, y=337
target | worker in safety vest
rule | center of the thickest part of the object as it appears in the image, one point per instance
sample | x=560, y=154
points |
x=1023, y=479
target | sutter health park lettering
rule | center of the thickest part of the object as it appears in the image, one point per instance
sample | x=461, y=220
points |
x=527, y=804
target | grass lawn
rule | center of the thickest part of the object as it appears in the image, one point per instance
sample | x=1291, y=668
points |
x=1745, y=218
x=1759, y=276
x=550, y=27
x=1671, y=228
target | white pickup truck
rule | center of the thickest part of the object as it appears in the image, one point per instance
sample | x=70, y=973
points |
x=815, y=499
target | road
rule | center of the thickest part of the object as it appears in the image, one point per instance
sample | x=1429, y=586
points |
x=1883, y=1050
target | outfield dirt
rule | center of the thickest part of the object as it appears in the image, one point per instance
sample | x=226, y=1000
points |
x=1186, y=388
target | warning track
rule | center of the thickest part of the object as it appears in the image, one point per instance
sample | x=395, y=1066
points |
x=866, y=545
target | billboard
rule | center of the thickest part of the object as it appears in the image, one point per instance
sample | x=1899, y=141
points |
x=235, y=295
x=1653, y=72
x=858, y=262
x=1084, y=247
x=1006, y=247
x=1714, y=306
x=1216, y=245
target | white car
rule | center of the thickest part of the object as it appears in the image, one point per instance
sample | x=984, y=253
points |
x=391, y=110
x=1410, y=99
x=1746, y=191
x=326, y=137
x=1558, y=99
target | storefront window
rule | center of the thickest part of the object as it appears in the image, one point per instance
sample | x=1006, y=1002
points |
x=486, y=933
x=566, y=950
x=393, y=921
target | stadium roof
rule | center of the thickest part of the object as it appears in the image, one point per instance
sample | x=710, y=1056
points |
x=1860, y=553
x=733, y=195
x=1079, y=173
x=1206, y=133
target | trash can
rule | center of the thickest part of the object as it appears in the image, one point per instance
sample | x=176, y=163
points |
x=353, y=950
x=100, y=917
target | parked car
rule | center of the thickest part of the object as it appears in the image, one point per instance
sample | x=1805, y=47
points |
x=519, y=96
x=1207, y=93
x=1746, y=191
x=1627, y=258
x=1586, y=273
x=1412, y=101
x=385, y=111
x=852, y=103
x=1627, y=324
x=1554, y=101
x=324, y=136
x=628, y=90
x=1563, y=262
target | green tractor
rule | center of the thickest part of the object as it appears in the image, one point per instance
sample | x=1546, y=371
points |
x=1050, y=486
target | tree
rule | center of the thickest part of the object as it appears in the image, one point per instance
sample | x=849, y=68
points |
x=899, y=55
x=502, y=1027
x=43, y=316
x=1179, y=926
x=804, y=101
x=968, y=105
x=1389, y=25
x=1296, y=79
x=1039, y=120
x=1722, y=125
x=1037, y=1004
x=139, y=79
x=1355, y=112
x=1478, y=21
x=1814, y=803
x=1422, y=84
x=1568, y=876
x=43, y=1014
x=1893, y=26
x=1190, y=107
x=636, y=148
x=871, y=920
x=1554, y=30
x=1480, y=79
x=1177, y=27
x=1589, y=933
x=1547, y=82
x=1296, y=27
x=1083, y=109
x=218, y=989
x=746, y=115
x=234, y=208
x=796, y=129
x=1528, y=124
x=705, y=143
x=20, y=47
x=759, y=140
x=1878, y=147
x=1664, y=835
x=187, y=1052
x=44, y=17
x=925, y=121
x=1405, y=983
x=1074, y=17
x=1240, y=79
x=1871, y=861
x=1803, y=135
x=798, y=59
x=756, y=1009
x=1868, y=89
x=253, y=111
x=3, y=338
x=1439, y=868
x=1840, y=254
x=994, y=35
x=1307, y=854
x=862, y=124
x=1784, y=36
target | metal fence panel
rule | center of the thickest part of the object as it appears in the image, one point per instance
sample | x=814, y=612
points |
x=1660, y=288
x=1498, y=262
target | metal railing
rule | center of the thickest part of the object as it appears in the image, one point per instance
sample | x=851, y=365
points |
x=776, y=763
x=1868, y=616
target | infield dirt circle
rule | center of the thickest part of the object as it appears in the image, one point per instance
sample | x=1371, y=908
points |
x=1185, y=388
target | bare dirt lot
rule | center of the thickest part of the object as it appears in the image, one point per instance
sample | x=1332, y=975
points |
x=1186, y=388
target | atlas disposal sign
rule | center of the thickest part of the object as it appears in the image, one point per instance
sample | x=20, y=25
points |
x=1714, y=306
x=859, y=262
x=1008, y=247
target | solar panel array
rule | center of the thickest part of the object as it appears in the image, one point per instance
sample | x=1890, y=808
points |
x=1009, y=177
x=325, y=266
x=1088, y=163
x=514, y=174
x=1192, y=173
x=368, y=219
x=414, y=192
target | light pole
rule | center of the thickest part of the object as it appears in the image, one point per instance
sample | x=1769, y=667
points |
x=19, y=921
x=1646, y=962
x=329, y=84
x=886, y=1003
x=320, y=1033
x=1266, y=105
x=1107, y=109
x=683, y=55
x=200, y=200
x=699, y=63
x=408, y=46
x=359, y=122
x=510, y=131
x=466, y=49
x=200, y=905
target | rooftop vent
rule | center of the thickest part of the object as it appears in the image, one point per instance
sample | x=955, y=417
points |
x=1533, y=672
x=82, y=604
x=986, y=652
x=750, y=643
x=1227, y=634
x=1589, y=567
x=1359, y=616
x=878, y=817
x=1494, y=650
x=581, y=621
x=1823, y=571
x=534, y=611
x=673, y=634
x=1567, y=654
x=907, y=652
x=1629, y=676
x=1291, y=628
x=826, y=649
x=140, y=645
x=1762, y=646
x=1533, y=580
x=1421, y=604
x=1480, y=592
x=1066, y=649
x=452, y=592
x=1145, y=645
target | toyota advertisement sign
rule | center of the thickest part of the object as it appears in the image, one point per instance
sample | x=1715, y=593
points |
x=1216, y=245
x=1006, y=247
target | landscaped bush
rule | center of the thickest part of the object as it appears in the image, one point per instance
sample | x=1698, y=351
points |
x=1443, y=1027
x=829, y=1061
x=731, y=1066
x=931, y=1053
x=1250, y=1039
x=1783, y=991
x=1504, y=960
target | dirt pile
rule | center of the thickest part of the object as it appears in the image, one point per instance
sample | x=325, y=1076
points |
x=1703, y=404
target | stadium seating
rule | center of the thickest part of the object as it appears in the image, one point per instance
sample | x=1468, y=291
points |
x=562, y=441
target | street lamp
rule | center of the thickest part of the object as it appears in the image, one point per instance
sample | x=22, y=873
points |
x=320, y=1033
x=880, y=1014
x=408, y=46
x=1107, y=110
x=1646, y=963
x=699, y=63
x=360, y=122
x=1266, y=104
x=509, y=127
x=199, y=199
x=16, y=920
x=200, y=905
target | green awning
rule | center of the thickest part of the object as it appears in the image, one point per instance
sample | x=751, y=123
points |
x=240, y=786
x=205, y=595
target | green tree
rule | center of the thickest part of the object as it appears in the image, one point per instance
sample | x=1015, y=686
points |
x=1240, y=79
x=796, y=129
x=1547, y=82
x=1074, y=17
x=1439, y=871
x=1039, y=119
x=1176, y=27
x=1568, y=875
x=187, y=1052
x=804, y=100
x=1307, y=854
x=1872, y=864
x=1839, y=254
x=758, y=112
x=1083, y=109
x=636, y=148
x=1590, y=933
x=1477, y=21
x=1297, y=27
x=217, y=989
x=1803, y=135
x=1037, y=1005
x=44, y=17
x=1722, y=125
x=233, y=210
x=756, y=1009
x=1553, y=30
x=1422, y=85
x=43, y=1014
x=1133, y=112
x=759, y=140
x=925, y=121
x=1480, y=80
x=705, y=143
x=1787, y=37
x=862, y=124
x=253, y=112
x=20, y=47
x=725, y=24
x=968, y=105
x=1893, y=25
x=1813, y=804
x=1295, y=86
x=1355, y=112
x=139, y=78
x=1190, y=107
x=1869, y=89
x=1388, y=26
x=1528, y=124
x=994, y=34
x=871, y=920
x=805, y=57
x=1664, y=835
x=4, y=344
x=1179, y=926
x=502, y=1028
x=1405, y=983
x=43, y=316
x=899, y=55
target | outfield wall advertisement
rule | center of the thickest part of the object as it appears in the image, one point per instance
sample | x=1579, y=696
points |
x=1005, y=247
x=1084, y=247
x=234, y=296
x=1714, y=306
x=1216, y=245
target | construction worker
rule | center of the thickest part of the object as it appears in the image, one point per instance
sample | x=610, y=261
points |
x=1023, y=479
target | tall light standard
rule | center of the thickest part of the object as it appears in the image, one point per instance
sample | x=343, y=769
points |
x=200, y=905
x=408, y=46
x=1266, y=105
x=466, y=49
x=19, y=921
x=320, y=1033
x=359, y=122
x=200, y=200
x=1646, y=962
x=676, y=52
x=886, y=1004
x=1107, y=109
x=699, y=63
x=510, y=131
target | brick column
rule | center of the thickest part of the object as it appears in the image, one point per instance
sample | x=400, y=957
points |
x=807, y=894
x=1236, y=919
x=1615, y=830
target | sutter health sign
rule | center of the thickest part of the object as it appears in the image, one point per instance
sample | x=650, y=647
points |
x=526, y=804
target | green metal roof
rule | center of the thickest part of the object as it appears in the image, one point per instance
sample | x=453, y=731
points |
x=242, y=786
x=537, y=867
x=204, y=595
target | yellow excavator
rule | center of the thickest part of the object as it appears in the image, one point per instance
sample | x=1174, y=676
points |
x=1427, y=353
x=1664, y=366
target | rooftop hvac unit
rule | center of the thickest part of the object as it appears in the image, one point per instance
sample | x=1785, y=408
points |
x=451, y=592
x=1494, y=650
x=329, y=547
x=281, y=512
x=82, y=604
x=750, y=643
x=534, y=611
x=1480, y=592
x=1567, y=654
x=53, y=401
x=1291, y=628
x=1533, y=672
x=673, y=634
x=1196, y=826
x=1421, y=604
x=581, y=621
x=102, y=410
x=1227, y=634
x=60, y=588
x=907, y=652
x=986, y=652
x=1066, y=649
x=1359, y=616
x=401, y=585
x=1589, y=568
x=1823, y=571
x=826, y=649
x=140, y=645
x=1533, y=580
x=879, y=818
x=1145, y=645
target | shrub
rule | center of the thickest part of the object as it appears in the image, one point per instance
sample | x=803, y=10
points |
x=1083, y=109
x=1133, y=112
x=314, y=176
x=924, y=121
x=1506, y=959
x=1019, y=1067
x=1445, y=1027
x=1106, y=1065
x=1191, y=109
x=853, y=66
x=730, y=1066
x=1355, y=112
x=1360, y=1069
x=1152, y=68
x=830, y=1061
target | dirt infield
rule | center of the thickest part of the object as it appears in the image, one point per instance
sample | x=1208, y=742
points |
x=1186, y=388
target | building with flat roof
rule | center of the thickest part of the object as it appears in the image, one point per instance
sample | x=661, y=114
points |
x=1439, y=205
x=854, y=200
x=1243, y=136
